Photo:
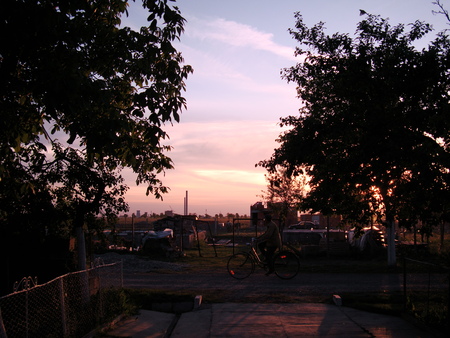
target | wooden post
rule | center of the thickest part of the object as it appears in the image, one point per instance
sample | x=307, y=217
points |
x=62, y=302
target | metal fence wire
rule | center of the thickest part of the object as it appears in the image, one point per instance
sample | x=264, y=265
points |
x=68, y=306
x=427, y=294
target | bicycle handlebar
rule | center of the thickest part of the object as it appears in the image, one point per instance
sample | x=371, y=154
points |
x=252, y=242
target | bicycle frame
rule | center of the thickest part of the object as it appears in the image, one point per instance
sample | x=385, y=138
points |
x=255, y=256
x=242, y=264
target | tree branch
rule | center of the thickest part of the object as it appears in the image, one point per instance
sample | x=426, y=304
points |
x=443, y=11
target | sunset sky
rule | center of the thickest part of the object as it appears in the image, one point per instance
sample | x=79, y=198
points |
x=236, y=96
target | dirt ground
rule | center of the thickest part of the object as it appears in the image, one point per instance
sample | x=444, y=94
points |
x=216, y=285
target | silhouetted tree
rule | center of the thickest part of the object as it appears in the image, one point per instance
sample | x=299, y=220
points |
x=284, y=192
x=83, y=96
x=373, y=129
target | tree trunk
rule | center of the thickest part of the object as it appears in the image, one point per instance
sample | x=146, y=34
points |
x=81, y=248
x=392, y=258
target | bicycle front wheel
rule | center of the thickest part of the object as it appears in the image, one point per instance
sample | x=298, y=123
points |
x=286, y=264
x=240, y=265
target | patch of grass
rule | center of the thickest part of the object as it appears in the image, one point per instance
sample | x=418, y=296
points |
x=345, y=265
x=389, y=304
x=208, y=258
x=431, y=314
x=429, y=308
x=203, y=256
x=143, y=298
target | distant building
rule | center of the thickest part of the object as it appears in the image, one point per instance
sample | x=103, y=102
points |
x=138, y=213
x=257, y=212
x=169, y=213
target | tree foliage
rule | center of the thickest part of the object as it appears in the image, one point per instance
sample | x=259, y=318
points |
x=81, y=97
x=373, y=130
x=284, y=192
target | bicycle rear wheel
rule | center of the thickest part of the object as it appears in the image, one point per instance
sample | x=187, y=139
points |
x=286, y=264
x=240, y=265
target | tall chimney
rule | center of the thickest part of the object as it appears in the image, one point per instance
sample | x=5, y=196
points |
x=187, y=204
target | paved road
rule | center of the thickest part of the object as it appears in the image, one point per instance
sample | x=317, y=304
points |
x=264, y=320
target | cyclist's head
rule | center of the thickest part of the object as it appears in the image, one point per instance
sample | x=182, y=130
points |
x=267, y=217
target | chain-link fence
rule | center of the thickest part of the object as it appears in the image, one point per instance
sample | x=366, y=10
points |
x=427, y=294
x=68, y=306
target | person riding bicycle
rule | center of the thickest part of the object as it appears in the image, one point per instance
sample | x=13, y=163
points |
x=269, y=241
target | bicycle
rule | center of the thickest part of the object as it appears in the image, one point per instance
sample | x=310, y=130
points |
x=242, y=264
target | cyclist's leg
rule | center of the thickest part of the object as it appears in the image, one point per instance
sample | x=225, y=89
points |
x=263, y=250
x=270, y=250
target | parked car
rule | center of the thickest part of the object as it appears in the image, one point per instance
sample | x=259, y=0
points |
x=304, y=225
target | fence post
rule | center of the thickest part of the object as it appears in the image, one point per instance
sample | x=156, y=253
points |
x=448, y=301
x=428, y=292
x=121, y=273
x=100, y=293
x=27, y=322
x=2, y=327
x=404, y=285
x=62, y=301
x=233, y=237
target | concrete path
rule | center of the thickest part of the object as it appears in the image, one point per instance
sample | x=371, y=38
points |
x=260, y=320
